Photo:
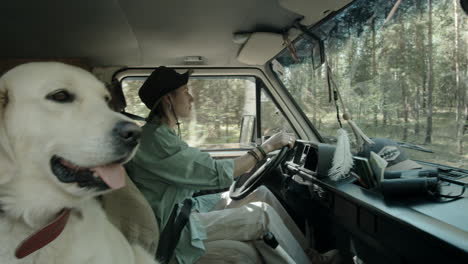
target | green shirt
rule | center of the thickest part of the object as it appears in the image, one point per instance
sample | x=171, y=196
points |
x=167, y=171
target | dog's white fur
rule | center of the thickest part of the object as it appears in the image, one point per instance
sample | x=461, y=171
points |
x=32, y=130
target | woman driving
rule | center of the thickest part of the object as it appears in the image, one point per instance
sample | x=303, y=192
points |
x=168, y=171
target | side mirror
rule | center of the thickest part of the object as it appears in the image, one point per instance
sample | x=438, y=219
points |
x=247, y=130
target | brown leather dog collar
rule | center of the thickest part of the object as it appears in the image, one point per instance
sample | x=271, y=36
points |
x=44, y=236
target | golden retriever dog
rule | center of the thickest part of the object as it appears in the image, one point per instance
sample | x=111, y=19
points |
x=60, y=147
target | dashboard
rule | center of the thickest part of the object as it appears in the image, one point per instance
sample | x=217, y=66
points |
x=312, y=158
x=410, y=230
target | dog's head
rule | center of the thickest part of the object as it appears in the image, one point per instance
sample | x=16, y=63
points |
x=58, y=134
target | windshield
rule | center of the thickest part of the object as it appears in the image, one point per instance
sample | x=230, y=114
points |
x=401, y=70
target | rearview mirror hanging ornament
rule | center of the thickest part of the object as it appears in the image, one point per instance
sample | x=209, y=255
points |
x=343, y=158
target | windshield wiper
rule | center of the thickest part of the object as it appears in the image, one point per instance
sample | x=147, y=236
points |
x=414, y=146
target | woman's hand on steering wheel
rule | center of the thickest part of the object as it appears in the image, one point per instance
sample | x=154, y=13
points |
x=247, y=182
x=279, y=140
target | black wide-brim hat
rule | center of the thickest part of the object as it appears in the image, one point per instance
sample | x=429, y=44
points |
x=161, y=81
x=391, y=152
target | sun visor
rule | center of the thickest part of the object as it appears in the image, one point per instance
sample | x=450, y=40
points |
x=313, y=10
x=260, y=47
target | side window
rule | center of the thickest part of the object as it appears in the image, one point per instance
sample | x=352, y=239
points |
x=130, y=87
x=272, y=119
x=224, y=114
x=220, y=103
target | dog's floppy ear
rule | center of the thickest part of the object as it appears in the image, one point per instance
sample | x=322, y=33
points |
x=6, y=161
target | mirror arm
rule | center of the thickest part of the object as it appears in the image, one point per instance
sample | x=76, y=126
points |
x=311, y=35
x=304, y=30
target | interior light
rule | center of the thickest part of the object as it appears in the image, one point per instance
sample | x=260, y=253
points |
x=193, y=60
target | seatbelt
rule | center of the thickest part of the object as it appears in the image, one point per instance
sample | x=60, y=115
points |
x=170, y=235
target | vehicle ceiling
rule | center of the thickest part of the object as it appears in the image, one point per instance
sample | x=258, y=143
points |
x=135, y=32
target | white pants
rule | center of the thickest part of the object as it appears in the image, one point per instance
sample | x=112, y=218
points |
x=249, y=219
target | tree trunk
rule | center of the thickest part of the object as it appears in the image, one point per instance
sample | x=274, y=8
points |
x=430, y=80
x=351, y=58
x=191, y=127
x=417, y=106
x=359, y=111
x=462, y=122
x=420, y=48
x=462, y=106
x=456, y=63
x=424, y=86
x=384, y=108
x=249, y=99
x=401, y=78
x=404, y=94
x=374, y=71
x=314, y=97
x=226, y=124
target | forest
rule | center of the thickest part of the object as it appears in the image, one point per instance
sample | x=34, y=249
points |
x=401, y=69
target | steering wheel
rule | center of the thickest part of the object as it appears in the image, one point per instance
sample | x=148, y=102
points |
x=248, y=182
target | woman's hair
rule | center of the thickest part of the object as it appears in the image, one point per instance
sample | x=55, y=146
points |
x=157, y=113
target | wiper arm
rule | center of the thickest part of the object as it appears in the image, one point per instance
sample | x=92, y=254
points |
x=414, y=146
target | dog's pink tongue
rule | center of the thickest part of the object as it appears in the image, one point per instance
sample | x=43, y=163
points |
x=113, y=175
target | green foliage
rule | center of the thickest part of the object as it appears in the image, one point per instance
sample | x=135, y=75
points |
x=381, y=71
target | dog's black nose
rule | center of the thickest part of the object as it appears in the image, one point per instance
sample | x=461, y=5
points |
x=127, y=132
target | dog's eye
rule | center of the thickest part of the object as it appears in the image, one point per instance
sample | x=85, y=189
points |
x=61, y=96
x=107, y=99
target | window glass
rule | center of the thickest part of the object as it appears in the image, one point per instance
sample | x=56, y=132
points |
x=217, y=111
x=400, y=67
x=130, y=87
x=273, y=120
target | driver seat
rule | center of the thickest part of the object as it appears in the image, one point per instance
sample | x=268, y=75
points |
x=129, y=211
